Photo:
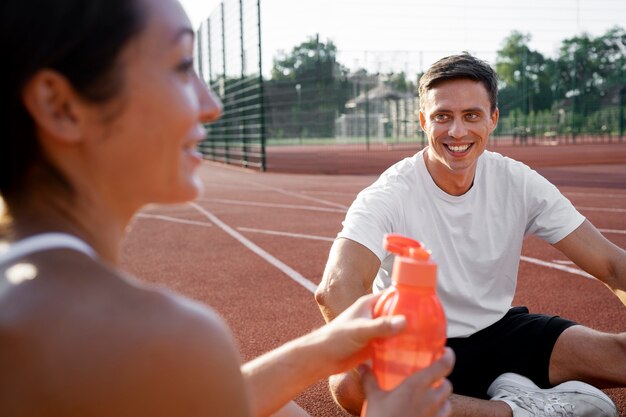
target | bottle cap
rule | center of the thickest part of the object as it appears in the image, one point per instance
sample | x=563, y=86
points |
x=412, y=265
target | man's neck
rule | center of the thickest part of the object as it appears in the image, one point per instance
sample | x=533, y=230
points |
x=455, y=183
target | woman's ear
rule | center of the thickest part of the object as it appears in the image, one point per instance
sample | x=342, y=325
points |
x=54, y=105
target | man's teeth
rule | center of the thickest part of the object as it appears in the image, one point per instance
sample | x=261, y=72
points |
x=460, y=148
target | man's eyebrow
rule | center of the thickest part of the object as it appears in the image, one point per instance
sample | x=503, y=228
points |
x=468, y=110
x=442, y=110
x=182, y=32
x=473, y=110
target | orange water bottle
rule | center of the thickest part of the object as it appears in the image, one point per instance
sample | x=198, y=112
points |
x=413, y=295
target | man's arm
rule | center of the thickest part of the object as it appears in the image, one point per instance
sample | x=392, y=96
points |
x=349, y=273
x=598, y=256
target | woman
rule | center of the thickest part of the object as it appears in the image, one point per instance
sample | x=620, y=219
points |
x=103, y=112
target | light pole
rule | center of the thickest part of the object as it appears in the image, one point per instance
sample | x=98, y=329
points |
x=299, y=119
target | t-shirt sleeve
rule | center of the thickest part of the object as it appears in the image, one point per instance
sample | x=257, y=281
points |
x=551, y=216
x=372, y=214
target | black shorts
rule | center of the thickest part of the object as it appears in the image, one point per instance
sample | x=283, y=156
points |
x=519, y=342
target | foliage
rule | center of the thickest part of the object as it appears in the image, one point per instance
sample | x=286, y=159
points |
x=581, y=90
x=307, y=91
x=525, y=76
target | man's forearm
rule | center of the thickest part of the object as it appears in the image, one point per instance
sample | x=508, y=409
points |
x=348, y=275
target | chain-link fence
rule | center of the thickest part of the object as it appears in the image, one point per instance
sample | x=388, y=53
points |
x=317, y=94
x=547, y=102
x=229, y=59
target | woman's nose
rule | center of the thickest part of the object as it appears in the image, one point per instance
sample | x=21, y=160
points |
x=211, y=108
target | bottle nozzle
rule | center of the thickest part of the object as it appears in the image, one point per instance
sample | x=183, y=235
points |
x=420, y=254
x=404, y=246
x=412, y=265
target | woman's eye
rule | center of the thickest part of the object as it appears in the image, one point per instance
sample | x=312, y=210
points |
x=185, y=66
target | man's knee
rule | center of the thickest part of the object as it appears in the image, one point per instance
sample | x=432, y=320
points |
x=347, y=391
x=588, y=355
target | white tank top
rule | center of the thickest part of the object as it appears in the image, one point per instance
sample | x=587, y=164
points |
x=43, y=242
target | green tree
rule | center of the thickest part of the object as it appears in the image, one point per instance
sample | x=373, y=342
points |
x=307, y=90
x=590, y=72
x=525, y=76
x=399, y=82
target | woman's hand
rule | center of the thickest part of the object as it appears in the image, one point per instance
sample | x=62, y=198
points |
x=424, y=394
x=345, y=340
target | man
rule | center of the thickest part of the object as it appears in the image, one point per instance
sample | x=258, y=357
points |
x=472, y=208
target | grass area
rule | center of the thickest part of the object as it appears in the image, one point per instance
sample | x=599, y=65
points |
x=418, y=140
x=358, y=140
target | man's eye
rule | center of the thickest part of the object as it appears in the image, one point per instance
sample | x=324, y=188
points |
x=471, y=116
x=441, y=117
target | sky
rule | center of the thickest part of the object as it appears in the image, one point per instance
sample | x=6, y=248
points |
x=409, y=35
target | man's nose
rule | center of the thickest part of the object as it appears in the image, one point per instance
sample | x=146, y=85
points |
x=457, y=129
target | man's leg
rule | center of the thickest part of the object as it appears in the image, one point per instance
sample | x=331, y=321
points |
x=348, y=393
x=473, y=407
x=579, y=353
x=584, y=354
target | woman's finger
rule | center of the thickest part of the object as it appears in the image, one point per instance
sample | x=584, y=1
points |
x=436, y=372
x=370, y=385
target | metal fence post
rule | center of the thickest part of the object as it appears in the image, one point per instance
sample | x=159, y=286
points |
x=622, y=112
x=367, y=118
x=225, y=81
x=244, y=129
x=261, y=94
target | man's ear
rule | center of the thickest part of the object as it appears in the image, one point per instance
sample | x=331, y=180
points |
x=422, y=120
x=495, y=116
x=54, y=105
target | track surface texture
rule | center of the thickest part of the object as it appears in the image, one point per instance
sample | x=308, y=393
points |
x=254, y=246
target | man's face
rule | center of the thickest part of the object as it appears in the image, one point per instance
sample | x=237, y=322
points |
x=456, y=116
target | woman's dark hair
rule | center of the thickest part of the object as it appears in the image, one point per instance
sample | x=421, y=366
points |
x=464, y=66
x=80, y=39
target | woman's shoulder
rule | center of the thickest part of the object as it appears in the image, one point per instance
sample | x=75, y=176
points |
x=77, y=290
x=101, y=331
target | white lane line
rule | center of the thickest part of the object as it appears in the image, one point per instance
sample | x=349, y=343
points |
x=557, y=266
x=299, y=195
x=331, y=193
x=276, y=233
x=261, y=204
x=172, y=219
x=610, y=210
x=287, y=270
x=290, y=272
x=619, y=232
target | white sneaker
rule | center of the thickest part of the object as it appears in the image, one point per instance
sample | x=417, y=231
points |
x=569, y=399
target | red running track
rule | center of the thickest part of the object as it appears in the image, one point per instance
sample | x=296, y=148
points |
x=240, y=246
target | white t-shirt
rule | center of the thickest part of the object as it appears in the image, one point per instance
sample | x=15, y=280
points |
x=476, y=239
